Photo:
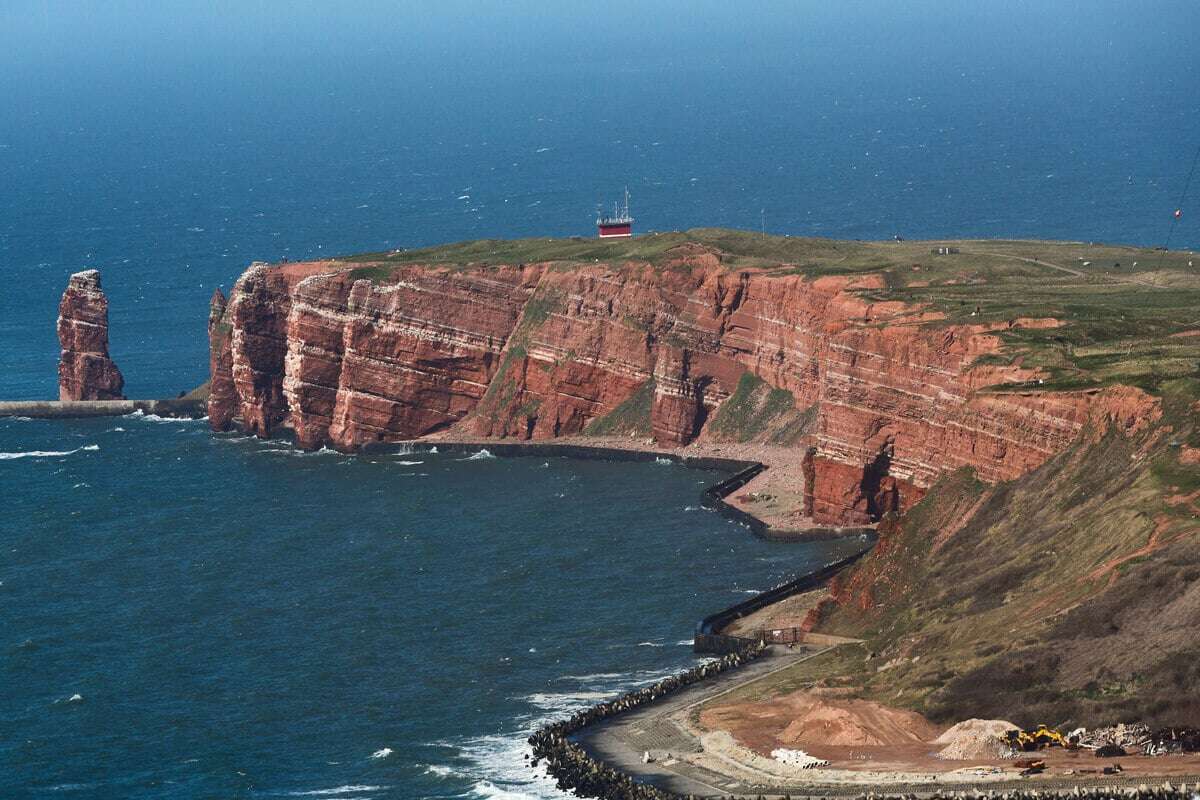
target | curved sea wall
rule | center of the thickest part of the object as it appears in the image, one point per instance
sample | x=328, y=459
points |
x=576, y=771
x=886, y=396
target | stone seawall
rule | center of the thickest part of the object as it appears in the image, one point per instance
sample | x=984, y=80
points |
x=74, y=409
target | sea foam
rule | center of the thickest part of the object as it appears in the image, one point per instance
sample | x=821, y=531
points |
x=48, y=453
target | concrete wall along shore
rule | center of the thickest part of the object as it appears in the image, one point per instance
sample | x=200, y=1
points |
x=183, y=408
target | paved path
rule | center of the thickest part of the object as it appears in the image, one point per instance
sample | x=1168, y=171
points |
x=622, y=740
x=1077, y=273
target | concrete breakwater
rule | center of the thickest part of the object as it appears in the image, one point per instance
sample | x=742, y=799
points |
x=184, y=408
x=574, y=770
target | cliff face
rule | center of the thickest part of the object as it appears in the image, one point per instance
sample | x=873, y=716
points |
x=85, y=371
x=545, y=350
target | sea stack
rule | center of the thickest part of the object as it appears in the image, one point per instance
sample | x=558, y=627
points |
x=85, y=371
x=222, y=398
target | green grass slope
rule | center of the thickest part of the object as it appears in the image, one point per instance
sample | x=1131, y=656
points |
x=1069, y=596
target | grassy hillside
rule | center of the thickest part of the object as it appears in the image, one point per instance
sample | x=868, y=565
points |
x=1069, y=596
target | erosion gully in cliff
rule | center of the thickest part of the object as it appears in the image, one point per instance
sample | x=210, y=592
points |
x=85, y=370
x=344, y=353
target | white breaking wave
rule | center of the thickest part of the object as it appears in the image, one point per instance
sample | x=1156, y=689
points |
x=383, y=752
x=441, y=770
x=497, y=762
x=339, y=790
x=490, y=791
x=650, y=644
x=482, y=454
x=48, y=453
x=409, y=463
x=501, y=771
x=658, y=460
x=433, y=449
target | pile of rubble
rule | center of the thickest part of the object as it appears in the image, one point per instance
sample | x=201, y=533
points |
x=797, y=758
x=1119, y=740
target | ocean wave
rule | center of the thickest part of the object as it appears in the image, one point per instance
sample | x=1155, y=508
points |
x=408, y=463
x=497, y=762
x=490, y=791
x=567, y=702
x=351, y=789
x=441, y=771
x=660, y=460
x=142, y=415
x=382, y=752
x=650, y=644
x=48, y=453
x=480, y=456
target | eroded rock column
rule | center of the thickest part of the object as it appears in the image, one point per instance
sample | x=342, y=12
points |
x=85, y=370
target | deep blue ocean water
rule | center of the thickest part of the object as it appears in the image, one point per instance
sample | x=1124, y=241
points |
x=236, y=618
x=241, y=620
x=170, y=144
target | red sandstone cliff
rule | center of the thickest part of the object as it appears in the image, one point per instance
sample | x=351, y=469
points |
x=85, y=371
x=538, y=351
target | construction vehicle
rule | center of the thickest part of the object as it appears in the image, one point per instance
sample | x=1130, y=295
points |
x=1028, y=741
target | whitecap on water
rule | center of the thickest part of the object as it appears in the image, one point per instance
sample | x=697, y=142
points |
x=48, y=453
x=440, y=770
x=408, y=463
x=349, y=789
x=659, y=460
x=383, y=752
x=481, y=455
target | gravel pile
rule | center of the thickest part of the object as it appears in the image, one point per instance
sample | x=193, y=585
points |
x=976, y=740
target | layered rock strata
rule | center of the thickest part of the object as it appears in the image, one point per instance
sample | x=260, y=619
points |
x=85, y=370
x=344, y=357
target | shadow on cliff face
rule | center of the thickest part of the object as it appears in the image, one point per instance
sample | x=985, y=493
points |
x=1069, y=596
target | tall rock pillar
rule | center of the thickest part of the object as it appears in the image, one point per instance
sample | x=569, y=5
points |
x=85, y=371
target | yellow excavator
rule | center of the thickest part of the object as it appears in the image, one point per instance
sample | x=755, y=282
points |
x=1028, y=741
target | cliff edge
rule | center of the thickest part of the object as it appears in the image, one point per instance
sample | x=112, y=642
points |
x=864, y=356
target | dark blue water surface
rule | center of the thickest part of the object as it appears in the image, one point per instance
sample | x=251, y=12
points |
x=236, y=618
x=170, y=144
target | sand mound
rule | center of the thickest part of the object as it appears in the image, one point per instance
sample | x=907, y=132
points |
x=860, y=723
x=976, y=740
x=807, y=720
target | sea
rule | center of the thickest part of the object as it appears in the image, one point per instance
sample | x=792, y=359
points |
x=184, y=615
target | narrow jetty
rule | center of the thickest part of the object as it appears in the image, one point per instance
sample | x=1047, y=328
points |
x=184, y=407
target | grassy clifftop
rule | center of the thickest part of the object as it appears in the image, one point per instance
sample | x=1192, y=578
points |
x=1126, y=314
